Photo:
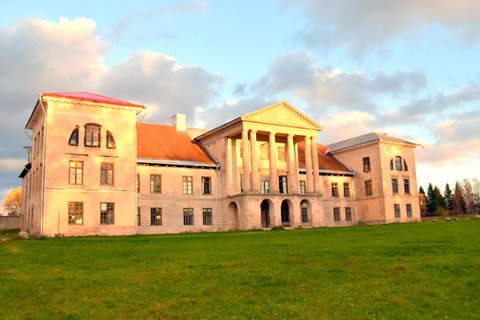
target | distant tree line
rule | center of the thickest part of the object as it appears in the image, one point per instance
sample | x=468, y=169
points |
x=463, y=199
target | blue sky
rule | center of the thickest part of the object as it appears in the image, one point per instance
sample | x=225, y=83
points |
x=410, y=68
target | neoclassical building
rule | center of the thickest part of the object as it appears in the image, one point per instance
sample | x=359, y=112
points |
x=94, y=169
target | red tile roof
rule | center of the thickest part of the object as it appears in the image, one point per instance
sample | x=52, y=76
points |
x=92, y=97
x=163, y=142
x=325, y=160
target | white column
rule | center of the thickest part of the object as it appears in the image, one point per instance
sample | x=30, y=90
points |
x=292, y=174
x=273, y=163
x=255, y=177
x=316, y=177
x=308, y=164
x=229, y=166
x=245, y=161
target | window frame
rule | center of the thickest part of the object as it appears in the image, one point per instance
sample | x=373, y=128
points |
x=264, y=184
x=138, y=182
x=336, y=214
x=206, y=185
x=303, y=187
x=366, y=164
x=89, y=141
x=368, y=188
x=75, y=172
x=346, y=190
x=396, y=210
x=187, y=184
x=394, y=186
x=398, y=163
x=283, y=184
x=281, y=153
x=73, y=140
x=335, y=193
x=348, y=213
x=304, y=212
x=155, y=183
x=406, y=186
x=155, y=213
x=207, y=216
x=104, y=173
x=105, y=218
x=188, y=217
x=409, y=210
x=73, y=214
x=110, y=141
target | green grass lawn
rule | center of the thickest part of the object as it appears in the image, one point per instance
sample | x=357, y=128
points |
x=411, y=271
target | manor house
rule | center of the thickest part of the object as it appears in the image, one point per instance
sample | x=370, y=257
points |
x=94, y=169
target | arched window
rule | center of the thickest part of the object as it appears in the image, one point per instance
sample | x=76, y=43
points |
x=73, y=141
x=92, y=135
x=405, y=165
x=398, y=163
x=110, y=141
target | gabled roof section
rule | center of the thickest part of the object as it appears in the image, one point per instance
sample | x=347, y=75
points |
x=281, y=113
x=366, y=139
x=92, y=97
x=326, y=162
x=157, y=143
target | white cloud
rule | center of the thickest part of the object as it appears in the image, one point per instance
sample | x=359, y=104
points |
x=12, y=164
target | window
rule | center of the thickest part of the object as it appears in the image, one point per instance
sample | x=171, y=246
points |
x=406, y=186
x=206, y=186
x=346, y=190
x=138, y=217
x=303, y=190
x=281, y=153
x=107, y=213
x=398, y=163
x=304, y=212
x=92, y=135
x=110, y=141
x=391, y=164
x=405, y=167
x=264, y=151
x=155, y=183
x=155, y=216
x=264, y=184
x=348, y=213
x=366, y=164
x=282, y=184
x=106, y=175
x=396, y=208
x=241, y=182
x=285, y=214
x=207, y=216
x=76, y=172
x=138, y=182
x=188, y=216
x=187, y=184
x=409, y=210
x=334, y=189
x=73, y=141
x=394, y=186
x=75, y=213
x=368, y=188
x=336, y=214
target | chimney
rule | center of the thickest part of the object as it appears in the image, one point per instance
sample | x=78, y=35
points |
x=179, y=122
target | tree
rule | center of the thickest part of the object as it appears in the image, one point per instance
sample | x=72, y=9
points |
x=431, y=199
x=439, y=198
x=422, y=201
x=448, y=196
x=458, y=202
x=13, y=202
x=476, y=190
x=468, y=195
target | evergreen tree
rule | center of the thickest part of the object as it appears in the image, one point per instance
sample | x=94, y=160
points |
x=448, y=196
x=431, y=199
x=439, y=198
x=421, y=190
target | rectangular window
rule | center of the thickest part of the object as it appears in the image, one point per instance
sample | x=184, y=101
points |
x=396, y=208
x=75, y=213
x=206, y=185
x=366, y=164
x=155, y=183
x=334, y=189
x=92, y=135
x=406, y=186
x=346, y=190
x=106, y=176
x=348, y=213
x=394, y=186
x=107, y=213
x=336, y=214
x=188, y=216
x=368, y=188
x=138, y=217
x=138, y=182
x=264, y=184
x=155, y=216
x=281, y=153
x=303, y=189
x=207, y=216
x=304, y=215
x=409, y=210
x=76, y=172
x=282, y=184
x=264, y=151
x=187, y=184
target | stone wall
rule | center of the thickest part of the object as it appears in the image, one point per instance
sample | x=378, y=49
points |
x=9, y=222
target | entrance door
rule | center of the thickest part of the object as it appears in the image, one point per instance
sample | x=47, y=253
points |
x=265, y=213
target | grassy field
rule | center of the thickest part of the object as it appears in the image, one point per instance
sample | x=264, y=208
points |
x=399, y=271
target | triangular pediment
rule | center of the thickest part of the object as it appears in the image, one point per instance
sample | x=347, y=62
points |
x=282, y=113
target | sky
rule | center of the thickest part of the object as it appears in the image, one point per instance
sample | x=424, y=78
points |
x=409, y=68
